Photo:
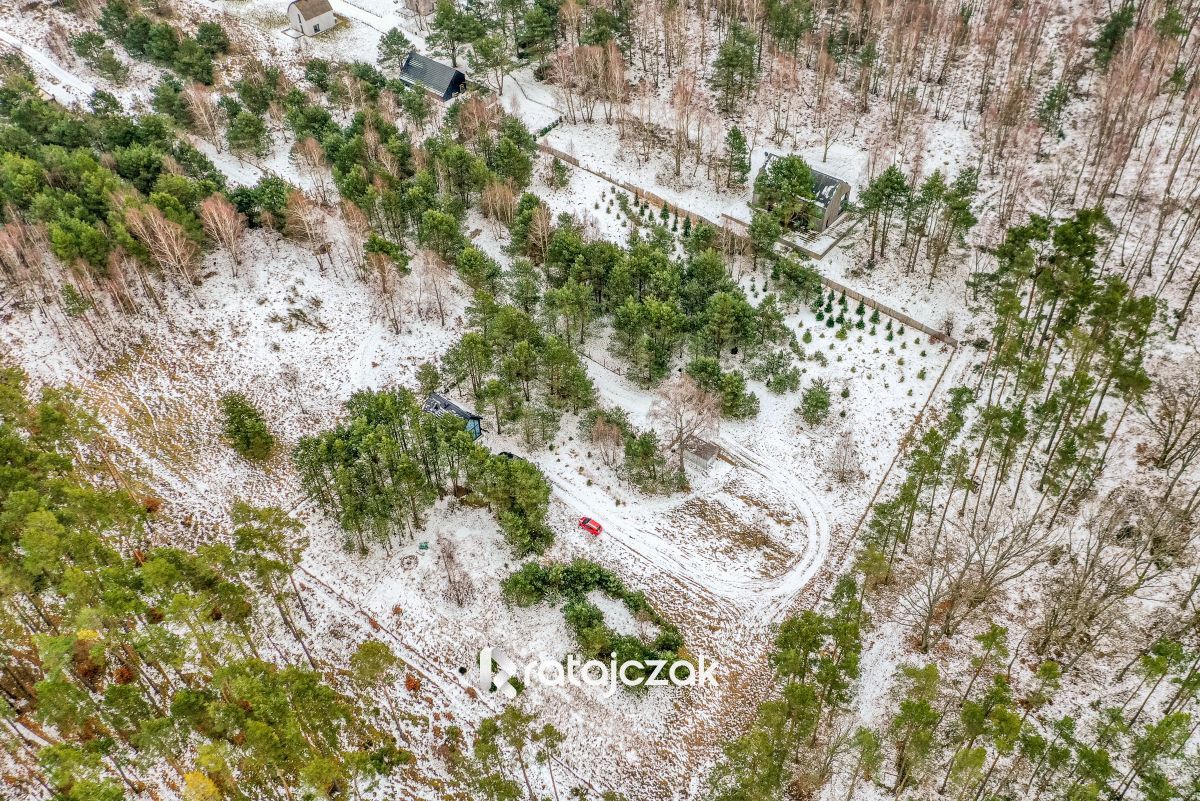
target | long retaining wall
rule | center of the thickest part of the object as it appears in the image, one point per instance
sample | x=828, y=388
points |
x=728, y=229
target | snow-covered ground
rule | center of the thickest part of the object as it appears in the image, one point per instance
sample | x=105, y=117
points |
x=763, y=534
x=758, y=537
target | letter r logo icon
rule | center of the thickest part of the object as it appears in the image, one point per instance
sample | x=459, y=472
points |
x=496, y=668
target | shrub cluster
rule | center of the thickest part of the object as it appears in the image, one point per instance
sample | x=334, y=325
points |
x=570, y=583
x=162, y=43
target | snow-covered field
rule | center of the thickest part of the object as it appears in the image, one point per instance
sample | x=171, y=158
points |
x=762, y=535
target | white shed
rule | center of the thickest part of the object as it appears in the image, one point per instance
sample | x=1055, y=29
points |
x=310, y=17
x=700, y=454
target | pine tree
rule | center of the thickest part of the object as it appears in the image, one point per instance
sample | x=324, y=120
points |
x=394, y=47
x=451, y=29
x=245, y=428
x=785, y=188
x=816, y=400
x=247, y=133
x=764, y=232
x=734, y=69
x=737, y=158
x=490, y=55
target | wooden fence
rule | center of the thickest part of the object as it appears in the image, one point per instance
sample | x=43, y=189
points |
x=729, y=228
x=898, y=316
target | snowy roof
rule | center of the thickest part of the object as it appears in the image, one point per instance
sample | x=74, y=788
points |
x=310, y=9
x=440, y=405
x=702, y=448
x=824, y=186
x=433, y=75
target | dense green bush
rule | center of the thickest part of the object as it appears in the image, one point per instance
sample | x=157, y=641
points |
x=162, y=43
x=91, y=47
x=381, y=469
x=737, y=402
x=82, y=174
x=570, y=583
x=815, y=402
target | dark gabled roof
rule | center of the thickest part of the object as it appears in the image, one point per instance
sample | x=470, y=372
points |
x=440, y=405
x=824, y=186
x=311, y=9
x=433, y=75
x=702, y=448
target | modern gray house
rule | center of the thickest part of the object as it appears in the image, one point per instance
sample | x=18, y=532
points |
x=442, y=406
x=831, y=194
x=310, y=17
x=432, y=76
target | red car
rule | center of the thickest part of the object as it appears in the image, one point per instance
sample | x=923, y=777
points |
x=590, y=526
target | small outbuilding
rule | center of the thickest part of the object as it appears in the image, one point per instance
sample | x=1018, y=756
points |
x=310, y=17
x=442, y=406
x=700, y=454
x=434, y=77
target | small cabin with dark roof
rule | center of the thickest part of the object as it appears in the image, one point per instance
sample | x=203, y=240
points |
x=432, y=76
x=310, y=17
x=831, y=194
x=700, y=453
x=441, y=406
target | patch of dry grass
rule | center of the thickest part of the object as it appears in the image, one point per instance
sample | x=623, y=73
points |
x=732, y=535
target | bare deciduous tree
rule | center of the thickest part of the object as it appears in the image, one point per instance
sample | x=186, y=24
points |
x=206, y=116
x=387, y=274
x=992, y=556
x=499, y=202
x=169, y=245
x=309, y=154
x=687, y=410
x=21, y=264
x=965, y=571
x=1109, y=557
x=432, y=286
x=1171, y=415
x=358, y=229
x=476, y=118
x=304, y=223
x=608, y=439
x=845, y=465
x=225, y=225
x=541, y=228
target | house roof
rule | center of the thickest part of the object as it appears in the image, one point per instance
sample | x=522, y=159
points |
x=440, y=405
x=702, y=448
x=433, y=75
x=824, y=186
x=310, y=9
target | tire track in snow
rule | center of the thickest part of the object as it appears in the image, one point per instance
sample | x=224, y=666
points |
x=660, y=558
x=63, y=80
x=770, y=597
x=760, y=603
x=790, y=585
